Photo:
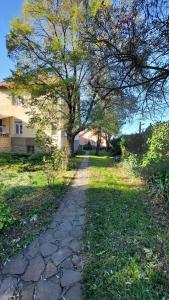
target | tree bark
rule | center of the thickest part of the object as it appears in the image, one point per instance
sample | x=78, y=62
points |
x=107, y=142
x=98, y=143
x=70, y=139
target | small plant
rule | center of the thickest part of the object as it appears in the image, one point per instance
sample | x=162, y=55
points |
x=5, y=214
x=55, y=162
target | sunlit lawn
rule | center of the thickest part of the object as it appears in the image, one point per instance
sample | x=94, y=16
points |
x=32, y=202
x=126, y=249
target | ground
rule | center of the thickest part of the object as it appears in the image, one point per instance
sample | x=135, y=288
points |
x=49, y=268
x=31, y=201
x=126, y=248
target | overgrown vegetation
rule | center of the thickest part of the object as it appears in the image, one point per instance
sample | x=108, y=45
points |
x=27, y=199
x=153, y=164
x=126, y=245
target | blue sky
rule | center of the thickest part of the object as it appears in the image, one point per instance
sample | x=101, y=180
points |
x=11, y=9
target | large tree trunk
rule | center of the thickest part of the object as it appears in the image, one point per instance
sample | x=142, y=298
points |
x=98, y=143
x=70, y=139
x=107, y=142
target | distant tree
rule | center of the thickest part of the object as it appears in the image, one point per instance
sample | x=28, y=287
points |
x=105, y=123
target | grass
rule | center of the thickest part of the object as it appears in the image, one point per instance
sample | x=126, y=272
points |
x=31, y=201
x=126, y=248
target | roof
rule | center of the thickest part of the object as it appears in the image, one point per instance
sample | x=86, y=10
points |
x=3, y=85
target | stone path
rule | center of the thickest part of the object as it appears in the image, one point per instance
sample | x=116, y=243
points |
x=50, y=267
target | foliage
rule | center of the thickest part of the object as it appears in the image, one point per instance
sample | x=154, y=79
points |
x=106, y=122
x=116, y=147
x=52, y=63
x=154, y=164
x=55, y=162
x=55, y=75
x=6, y=218
x=36, y=157
x=158, y=144
x=87, y=146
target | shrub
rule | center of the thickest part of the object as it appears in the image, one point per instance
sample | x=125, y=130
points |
x=154, y=164
x=54, y=162
x=116, y=147
x=88, y=146
x=158, y=145
x=36, y=157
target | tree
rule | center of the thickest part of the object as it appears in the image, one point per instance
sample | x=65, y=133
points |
x=105, y=123
x=54, y=67
x=130, y=43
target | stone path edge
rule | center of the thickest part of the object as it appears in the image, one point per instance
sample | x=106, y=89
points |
x=50, y=267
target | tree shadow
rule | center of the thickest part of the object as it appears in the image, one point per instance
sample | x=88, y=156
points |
x=126, y=248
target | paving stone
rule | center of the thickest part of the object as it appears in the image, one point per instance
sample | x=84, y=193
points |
x=79, y=222
x=33, y=249
x=47, y=249
x=34, y=270
x=66, y=241
x=76, y=232
x=27, y=292
x=67, y=264
x=66, y=226
x=75, y=245
x=15, y=266
x=8, y=287
x=76, y=260
x=74, y=293
x=61, y=234
x=60, y=256
x=47, y=290
x=70, y=277
x=48, y=236
x=50, y=270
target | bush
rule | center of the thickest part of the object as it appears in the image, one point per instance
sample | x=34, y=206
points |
x=158, y=145
x=88, y=146
x=116, y=147
x=154, y=164
x=36, y=157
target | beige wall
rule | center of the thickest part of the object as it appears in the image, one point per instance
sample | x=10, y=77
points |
x=10, y=112
x=5, y=144
x=88, y=136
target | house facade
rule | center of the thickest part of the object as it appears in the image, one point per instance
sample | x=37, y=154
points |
x=15, y=134
x=89, y=136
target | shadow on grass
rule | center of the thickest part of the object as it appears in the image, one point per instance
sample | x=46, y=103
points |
x=126, y=249
x=125, y=257
x=32, y=208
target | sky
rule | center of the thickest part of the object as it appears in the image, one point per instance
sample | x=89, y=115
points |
x=11, y=9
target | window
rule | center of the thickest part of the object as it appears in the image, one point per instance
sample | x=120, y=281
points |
x=18, y=128
x=30, y=149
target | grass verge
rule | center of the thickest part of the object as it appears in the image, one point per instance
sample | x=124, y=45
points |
x=31, y=201
x=126, y=248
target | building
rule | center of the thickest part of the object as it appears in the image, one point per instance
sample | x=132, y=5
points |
x=89, y=136
x=15, y=134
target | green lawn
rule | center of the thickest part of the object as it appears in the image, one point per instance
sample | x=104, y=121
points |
x=125, y=245
x=31, y=201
